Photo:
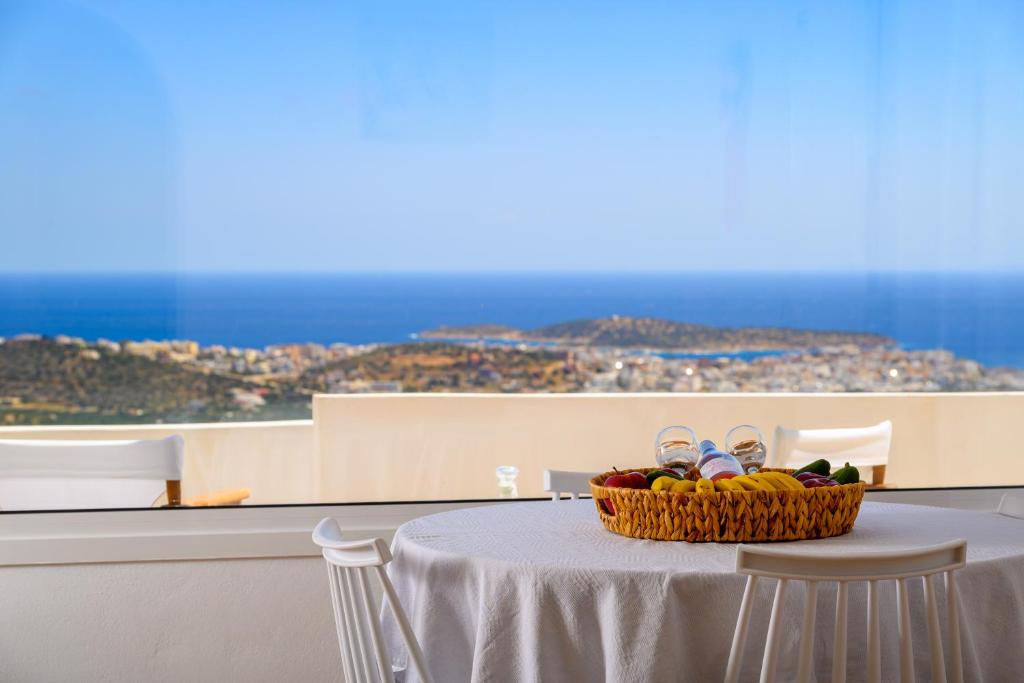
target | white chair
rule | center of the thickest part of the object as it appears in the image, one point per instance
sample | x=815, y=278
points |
x=70, y=475
x=63, y=475
x=1012, y=505
x=364, y=654
x=899, y=565
x=557, y=482
x=862, y=447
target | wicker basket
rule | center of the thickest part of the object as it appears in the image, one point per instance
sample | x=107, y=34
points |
x=728, y=516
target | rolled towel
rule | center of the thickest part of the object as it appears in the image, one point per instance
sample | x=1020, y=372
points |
x=225, y=497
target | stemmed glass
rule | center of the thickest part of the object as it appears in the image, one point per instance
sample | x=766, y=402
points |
x=676, y=446
x=746, y=444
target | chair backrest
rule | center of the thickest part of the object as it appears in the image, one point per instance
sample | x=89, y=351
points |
x=63, y=475
x=364, y=654
x=557, y=482
x=860, y=446
x=842, y=568
x=1012, y=505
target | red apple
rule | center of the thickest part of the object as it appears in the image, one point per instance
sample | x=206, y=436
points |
x=637, y=481
x=817, y=483
x=618, y=481
x=629, y=480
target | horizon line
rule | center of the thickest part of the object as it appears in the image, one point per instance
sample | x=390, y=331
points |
x=507, y=272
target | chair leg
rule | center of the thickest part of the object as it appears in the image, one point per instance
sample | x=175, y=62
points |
x=173, y=493
x=934, y=635
x=956, y=662
x=771, y=646
x=739, y=638
x=839, y=641
x=874, y=637
x=903, y=626
x=878, y=475
x=803, y=674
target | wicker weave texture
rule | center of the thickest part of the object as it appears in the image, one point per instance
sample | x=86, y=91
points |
x=729, y=516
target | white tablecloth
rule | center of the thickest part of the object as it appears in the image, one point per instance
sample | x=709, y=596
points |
x=542, y=592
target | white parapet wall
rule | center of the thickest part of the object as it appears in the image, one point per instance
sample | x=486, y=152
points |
x=395, y=447
x=447, y=446
x=274, y=460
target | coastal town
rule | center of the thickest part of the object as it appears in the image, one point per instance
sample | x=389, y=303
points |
x=65, y=379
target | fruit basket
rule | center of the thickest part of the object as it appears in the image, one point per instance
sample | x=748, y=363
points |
x=728, y=516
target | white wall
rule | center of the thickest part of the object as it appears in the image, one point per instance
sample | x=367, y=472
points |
x=229, y=620
x=423, y=446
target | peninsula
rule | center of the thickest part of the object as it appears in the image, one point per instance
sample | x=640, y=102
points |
x=664, y=335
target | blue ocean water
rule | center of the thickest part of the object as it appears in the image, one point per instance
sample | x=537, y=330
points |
x=978, y=316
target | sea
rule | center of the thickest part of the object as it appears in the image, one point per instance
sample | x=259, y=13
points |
x=979, y=316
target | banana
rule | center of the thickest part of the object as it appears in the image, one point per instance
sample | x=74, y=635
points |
x=705, y=486
x=684, y=486
x=766, y=481
x=790, y=482
x=663, y=483
x=785, y=481
x=727, y=485
x=749, y=484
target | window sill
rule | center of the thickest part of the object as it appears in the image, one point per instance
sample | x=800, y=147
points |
x=192, y=534
x=47, y=538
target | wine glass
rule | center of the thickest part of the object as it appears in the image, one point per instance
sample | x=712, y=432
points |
x=746, y=444
x=676, y=446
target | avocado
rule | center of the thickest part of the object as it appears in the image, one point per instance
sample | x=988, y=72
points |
x=654, y=474
x=847, y=474
x=821, y=467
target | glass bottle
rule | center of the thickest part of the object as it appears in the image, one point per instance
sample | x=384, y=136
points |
x=507, y=487
x=675, y=447
x=746, y=444
x=717, y=464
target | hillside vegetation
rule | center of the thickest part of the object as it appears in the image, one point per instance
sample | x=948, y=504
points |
x=42, y=381
x=450, y=367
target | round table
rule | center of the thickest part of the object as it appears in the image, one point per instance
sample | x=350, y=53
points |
x=540, y=591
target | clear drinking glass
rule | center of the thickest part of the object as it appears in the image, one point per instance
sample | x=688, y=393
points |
x=676, y=446
x=746, y=444
x=507, y=487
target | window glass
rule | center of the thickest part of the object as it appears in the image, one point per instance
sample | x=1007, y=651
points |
x=296, y=215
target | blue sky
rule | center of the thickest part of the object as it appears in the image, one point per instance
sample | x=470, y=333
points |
x=454, y=136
